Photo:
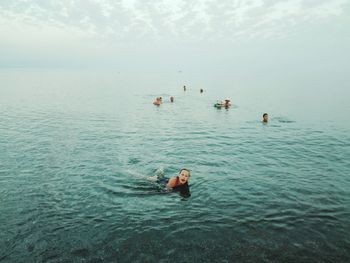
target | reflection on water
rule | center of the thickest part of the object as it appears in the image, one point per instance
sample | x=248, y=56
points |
x=75, y=156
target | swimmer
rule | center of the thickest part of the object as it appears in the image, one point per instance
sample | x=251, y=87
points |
x=171, y=99
x=177, y=183
x=227, y=103
x=201, y=90
x=158, y=101
x=265, y=118
x=184, y=88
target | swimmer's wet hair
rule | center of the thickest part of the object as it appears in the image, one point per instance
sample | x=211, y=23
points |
x=265, y=114
x=188, y=170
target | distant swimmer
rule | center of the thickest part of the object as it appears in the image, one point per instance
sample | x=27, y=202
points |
x=158, y=101
x=265, y=118
x=201, y=90
x=184, y=88
x=171, y=99
x=226, y=103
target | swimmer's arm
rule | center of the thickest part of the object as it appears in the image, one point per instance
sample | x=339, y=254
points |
x=171, y=183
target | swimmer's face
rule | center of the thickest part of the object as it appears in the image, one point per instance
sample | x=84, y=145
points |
x=265, y=118
x=184, y=176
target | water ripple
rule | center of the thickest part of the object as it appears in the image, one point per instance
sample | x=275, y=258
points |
x=73, y=184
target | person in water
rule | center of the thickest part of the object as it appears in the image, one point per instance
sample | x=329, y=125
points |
x=177, y=183
x=265, y=118
x=158, y=101
x=184, y=88
x=179, y=180
x=201, y=90
x=226, y=103
x=171, y=99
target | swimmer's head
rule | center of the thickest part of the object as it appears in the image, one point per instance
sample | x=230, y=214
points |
x=265, y=117
x=184, y=175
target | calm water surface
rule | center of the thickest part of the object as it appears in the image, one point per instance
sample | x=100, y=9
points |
x=76, y=150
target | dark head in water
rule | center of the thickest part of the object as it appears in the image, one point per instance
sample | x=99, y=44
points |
x=265, y=117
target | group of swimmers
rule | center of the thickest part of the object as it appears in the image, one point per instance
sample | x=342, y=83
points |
x=159, y=100
x=225, y=103
x=219, y=104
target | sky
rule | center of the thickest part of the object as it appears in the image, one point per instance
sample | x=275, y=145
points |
x=247, y=35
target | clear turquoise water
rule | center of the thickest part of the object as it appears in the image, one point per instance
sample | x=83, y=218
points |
x=76, y=148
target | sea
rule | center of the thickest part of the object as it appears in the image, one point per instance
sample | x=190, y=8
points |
x=77, y=149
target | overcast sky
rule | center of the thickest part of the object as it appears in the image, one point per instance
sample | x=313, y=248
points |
x=169, y=33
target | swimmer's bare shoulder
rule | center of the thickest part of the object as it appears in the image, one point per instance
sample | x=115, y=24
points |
x=171, y=183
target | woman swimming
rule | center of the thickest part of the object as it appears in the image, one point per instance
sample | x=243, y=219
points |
x=177, y=183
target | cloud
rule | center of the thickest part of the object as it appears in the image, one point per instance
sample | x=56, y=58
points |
x=197, y=19
x=109, y=28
